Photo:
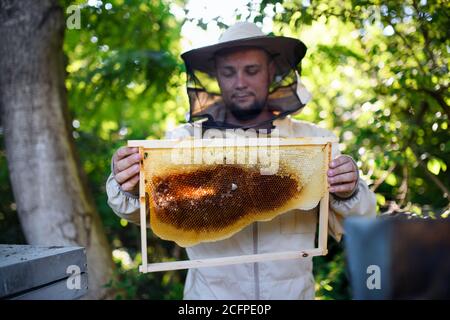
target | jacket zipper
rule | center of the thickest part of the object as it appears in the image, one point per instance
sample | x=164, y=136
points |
x=255, y=264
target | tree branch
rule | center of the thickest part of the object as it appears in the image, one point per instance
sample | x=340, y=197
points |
x=425, y=37
x=381, y=179
x=436, y=181
x=439, y=99
x=412, y=52
x=432, y=177
x=403, y=190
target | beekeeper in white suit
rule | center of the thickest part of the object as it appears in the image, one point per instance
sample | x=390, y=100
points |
x=257, y=87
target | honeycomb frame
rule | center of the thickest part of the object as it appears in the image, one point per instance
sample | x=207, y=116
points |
x=321, y=249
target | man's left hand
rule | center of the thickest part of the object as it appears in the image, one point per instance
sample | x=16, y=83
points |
x=342, y=176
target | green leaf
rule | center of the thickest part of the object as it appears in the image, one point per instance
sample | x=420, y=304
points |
x=391, y=180
x=434, y=166
x=381, y=200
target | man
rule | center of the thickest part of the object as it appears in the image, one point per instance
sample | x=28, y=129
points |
x=249, y=80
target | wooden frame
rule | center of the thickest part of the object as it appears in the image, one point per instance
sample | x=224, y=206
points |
x=221, y=261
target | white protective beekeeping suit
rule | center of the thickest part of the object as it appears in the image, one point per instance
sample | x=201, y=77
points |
x=287, y=279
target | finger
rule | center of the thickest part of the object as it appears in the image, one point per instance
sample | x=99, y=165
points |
x=123, y=152
x=344, y=177
x=339, y=161
x=127, y=162
x=125, y=175
x=346, y=187
x=130, y=184
x=344, y=168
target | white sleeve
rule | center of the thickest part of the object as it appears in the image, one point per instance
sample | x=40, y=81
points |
x=124, y=204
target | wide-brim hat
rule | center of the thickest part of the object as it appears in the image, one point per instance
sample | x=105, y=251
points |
x=286, y=52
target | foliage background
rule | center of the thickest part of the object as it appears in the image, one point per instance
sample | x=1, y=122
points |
x=378, y=71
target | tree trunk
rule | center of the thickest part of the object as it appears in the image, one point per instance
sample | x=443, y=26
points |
x=49, y=185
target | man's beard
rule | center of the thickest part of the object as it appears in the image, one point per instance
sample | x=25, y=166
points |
x=248, y=113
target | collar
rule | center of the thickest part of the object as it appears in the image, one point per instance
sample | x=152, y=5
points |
x=284, y=126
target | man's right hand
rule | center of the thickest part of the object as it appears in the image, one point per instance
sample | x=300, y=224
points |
x=126, y=168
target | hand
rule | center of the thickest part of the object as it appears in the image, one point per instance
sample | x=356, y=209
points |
x=342, y=176
x=126, y=168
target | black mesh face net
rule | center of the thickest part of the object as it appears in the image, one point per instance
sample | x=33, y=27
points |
x=207, y=104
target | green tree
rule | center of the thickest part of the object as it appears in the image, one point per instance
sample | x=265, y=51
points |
x=53, y=203
x=125, y=81
x=379, y=73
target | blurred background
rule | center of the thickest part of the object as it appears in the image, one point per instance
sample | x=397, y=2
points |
x=378, y=72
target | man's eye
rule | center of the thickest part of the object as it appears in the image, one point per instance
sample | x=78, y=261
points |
x=252, y=71
x=227, y=74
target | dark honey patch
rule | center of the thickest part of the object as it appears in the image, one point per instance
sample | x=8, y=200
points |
x=214, y=197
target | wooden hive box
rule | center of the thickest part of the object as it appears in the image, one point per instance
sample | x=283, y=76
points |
x=42, y=273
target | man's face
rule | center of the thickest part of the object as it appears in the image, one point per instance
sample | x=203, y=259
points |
x=244, y=77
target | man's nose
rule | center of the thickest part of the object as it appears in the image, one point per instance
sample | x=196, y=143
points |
x=241, y=82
